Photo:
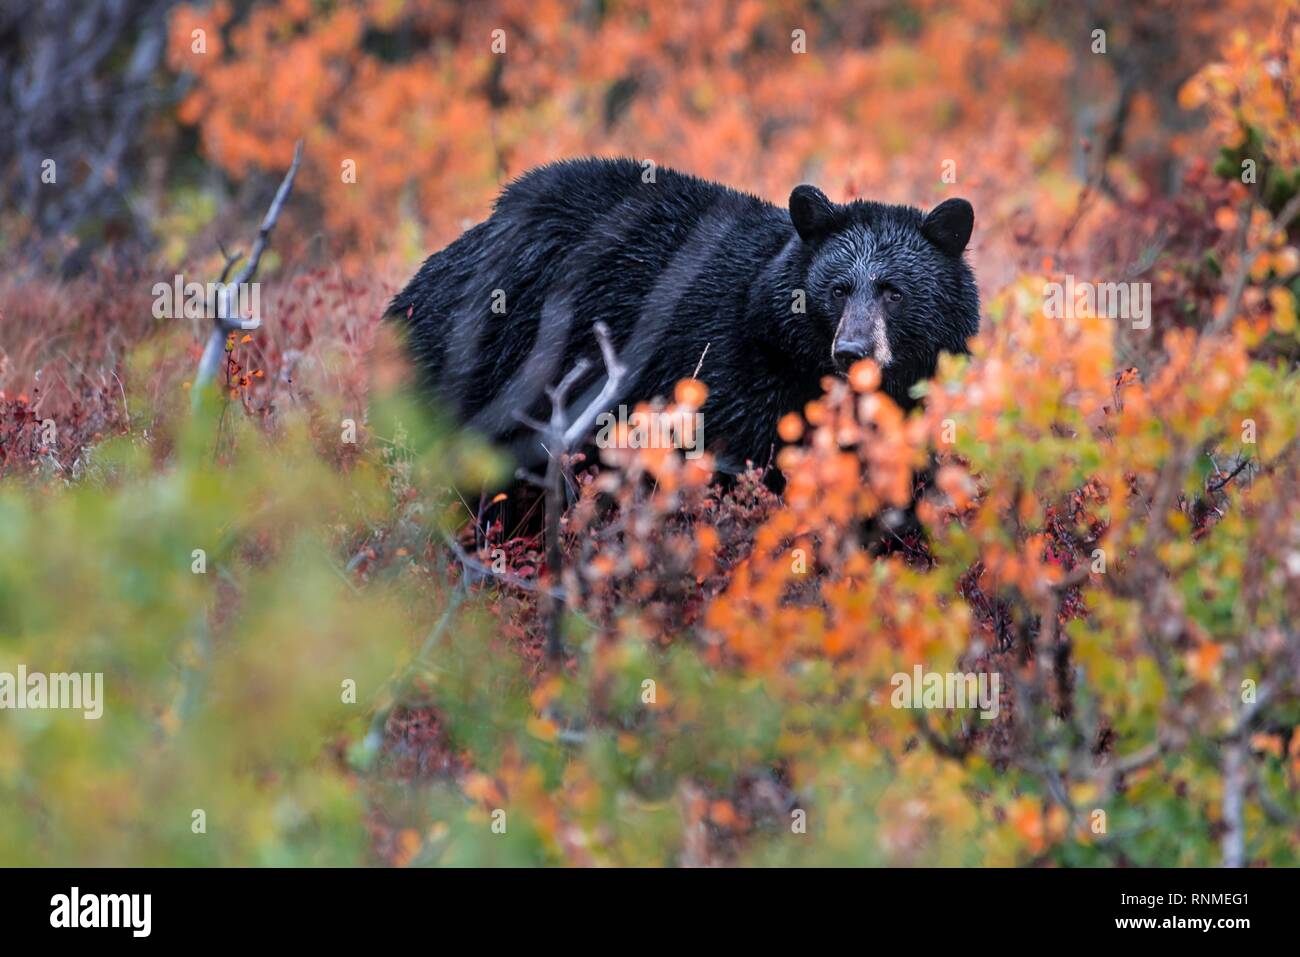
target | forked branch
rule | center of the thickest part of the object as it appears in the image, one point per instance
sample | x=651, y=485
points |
x=223, y=323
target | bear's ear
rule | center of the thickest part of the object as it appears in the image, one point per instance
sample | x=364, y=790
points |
x=948, y=225
x=813, y=214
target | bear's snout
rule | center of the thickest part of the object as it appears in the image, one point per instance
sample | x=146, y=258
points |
x=861, y=334
x=847, y=353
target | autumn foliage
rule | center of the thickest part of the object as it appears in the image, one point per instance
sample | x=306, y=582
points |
x=1104, y=514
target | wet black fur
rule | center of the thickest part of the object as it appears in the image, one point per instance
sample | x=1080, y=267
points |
x=676, y=266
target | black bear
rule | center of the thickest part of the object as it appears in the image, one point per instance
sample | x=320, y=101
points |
x=687, y=274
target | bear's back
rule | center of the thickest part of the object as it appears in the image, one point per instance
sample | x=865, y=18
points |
x=585, y=190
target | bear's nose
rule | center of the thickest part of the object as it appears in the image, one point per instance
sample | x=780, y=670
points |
x=847, y=353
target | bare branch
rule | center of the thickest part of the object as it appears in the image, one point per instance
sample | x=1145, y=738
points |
x=526, y=419
x=1233, y=842
x=1137, y=760
x=472, y=564
x=1215, y=486
x=269, y=221
x=223, y=323
x=231, y=259
x=560, y=437
x=614, y=373
x=1236, y=772
x=559, y=394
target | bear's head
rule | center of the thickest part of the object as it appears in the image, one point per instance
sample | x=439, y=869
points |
x=887, y=283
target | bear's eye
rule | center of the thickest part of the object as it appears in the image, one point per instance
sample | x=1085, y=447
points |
x=894, y=296
x=839, y=290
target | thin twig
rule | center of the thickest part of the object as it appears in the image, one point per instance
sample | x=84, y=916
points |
x=231, y=259
x=1215, y=486
x=700, y=365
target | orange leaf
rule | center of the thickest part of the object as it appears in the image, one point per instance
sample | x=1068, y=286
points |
x=691, y=393
x=864, y=375
x=790, y=428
